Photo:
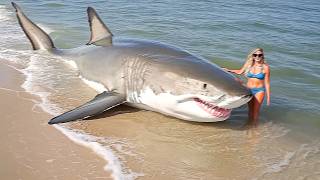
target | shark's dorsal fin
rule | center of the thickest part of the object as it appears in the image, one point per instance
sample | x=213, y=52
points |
x=100, y=34
x=38, y=38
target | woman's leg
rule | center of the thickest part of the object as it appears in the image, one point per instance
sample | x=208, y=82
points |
x=258, y=99
x=250, y=109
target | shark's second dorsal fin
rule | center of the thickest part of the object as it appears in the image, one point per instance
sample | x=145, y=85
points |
x=100, y=34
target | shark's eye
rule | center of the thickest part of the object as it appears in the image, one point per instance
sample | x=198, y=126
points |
x=204, y=86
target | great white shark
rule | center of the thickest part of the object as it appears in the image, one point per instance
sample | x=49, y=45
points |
x=144, y=74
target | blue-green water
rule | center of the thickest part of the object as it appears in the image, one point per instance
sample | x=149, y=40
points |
x=222, y=32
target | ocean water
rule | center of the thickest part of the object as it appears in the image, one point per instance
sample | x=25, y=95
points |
x=286, y=145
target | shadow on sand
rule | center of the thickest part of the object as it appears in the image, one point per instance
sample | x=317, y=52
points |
x=238, y=120
x=122, y=109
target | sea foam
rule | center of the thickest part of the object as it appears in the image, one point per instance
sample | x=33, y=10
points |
x=106, y=153
x=4, y=13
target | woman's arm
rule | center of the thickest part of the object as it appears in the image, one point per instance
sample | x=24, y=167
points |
x=267, y=83
x=237, y=71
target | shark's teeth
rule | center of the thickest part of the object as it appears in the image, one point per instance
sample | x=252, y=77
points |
x=213, y=109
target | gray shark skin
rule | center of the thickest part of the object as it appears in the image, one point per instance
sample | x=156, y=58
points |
x=144, y=74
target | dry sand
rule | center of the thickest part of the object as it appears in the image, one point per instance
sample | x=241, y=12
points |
x=32, y=149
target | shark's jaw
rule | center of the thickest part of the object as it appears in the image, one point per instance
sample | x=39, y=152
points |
x=187, y=107
x=212, y=109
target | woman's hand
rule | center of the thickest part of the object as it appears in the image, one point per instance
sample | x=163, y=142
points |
x=267, y=83
x=268, y=101
x=232, y=71
x=226, y=69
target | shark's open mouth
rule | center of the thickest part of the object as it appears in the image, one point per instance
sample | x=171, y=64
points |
x=213, y=109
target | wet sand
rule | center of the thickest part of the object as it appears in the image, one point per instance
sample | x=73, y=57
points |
x=168, y=148
x=32, y=149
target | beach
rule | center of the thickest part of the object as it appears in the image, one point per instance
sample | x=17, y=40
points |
x=30, y=148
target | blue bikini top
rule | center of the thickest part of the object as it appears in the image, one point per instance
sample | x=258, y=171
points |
x=260, y=75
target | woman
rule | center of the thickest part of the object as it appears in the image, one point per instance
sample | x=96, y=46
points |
x=258, y=73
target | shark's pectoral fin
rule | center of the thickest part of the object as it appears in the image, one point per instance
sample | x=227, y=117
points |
x=100, y=34
x=97, y=105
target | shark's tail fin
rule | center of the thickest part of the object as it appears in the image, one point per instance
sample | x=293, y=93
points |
x=38, y=38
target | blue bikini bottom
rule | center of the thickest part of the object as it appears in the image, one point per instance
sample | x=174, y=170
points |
x=254, y=91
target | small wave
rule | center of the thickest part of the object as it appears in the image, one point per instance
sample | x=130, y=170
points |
x=304, y=157
x=71, y=63
x=273, y=131
x=278, y=167
x=19, y=57
x=106, y=153
x=5, y=14
x=12, y=34
x=54, y=5
x=29, y=87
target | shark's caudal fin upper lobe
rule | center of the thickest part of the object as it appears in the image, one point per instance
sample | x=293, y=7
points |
x=38, y=38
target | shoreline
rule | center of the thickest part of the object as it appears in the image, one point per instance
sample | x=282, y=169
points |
x=33, y=149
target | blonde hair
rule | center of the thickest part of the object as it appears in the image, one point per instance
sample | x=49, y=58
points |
x=249, y=60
